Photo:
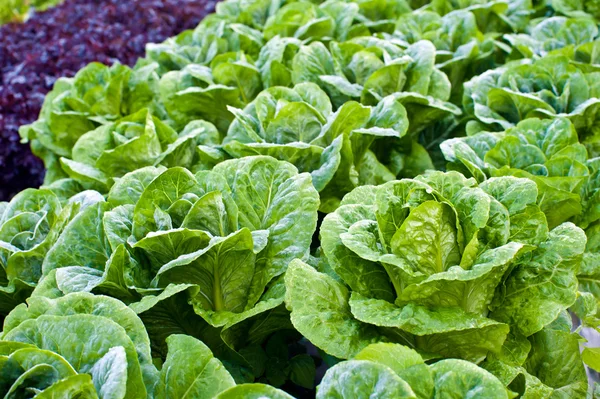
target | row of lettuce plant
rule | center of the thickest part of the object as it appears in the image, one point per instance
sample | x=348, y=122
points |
x=269, y=179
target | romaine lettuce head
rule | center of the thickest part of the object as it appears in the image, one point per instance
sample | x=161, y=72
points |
x=198, y=254
x=501, y=16
x=365, y=69
x=205, y=91
x=29, y=225
x=577, y=8
x=438, y=263
x=136, y=141
x=299, y=126
x=334, y=20
x=547, y=152
x=462, y=50
x=549, y=87
x=80, y=345
x=568, y=35
x=252, y=13
x=575, y=38
x=97, y=95
x=214, y=36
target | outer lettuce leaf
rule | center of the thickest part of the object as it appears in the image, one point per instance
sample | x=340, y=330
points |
x=546, y=279
x=325, y=318
x=253, y=391
x=205, y=379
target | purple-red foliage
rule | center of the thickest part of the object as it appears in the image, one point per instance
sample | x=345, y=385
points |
x=58, y=43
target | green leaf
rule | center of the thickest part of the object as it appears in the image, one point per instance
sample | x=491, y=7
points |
x=555, y=359
x=544, y=284
x=324, y=318
x=591, y=357
x=82, y=243
x=161, y=193
x=76, y=386
x=223, y=271
x=302, y=371
x=449, y=331
x=191, y=370
x=109, y=374
x=427, y=239
x=253, y=391
x=129, y=188
x=458, y=377
x=164, y=246
x=405, y=362
x=363, y=378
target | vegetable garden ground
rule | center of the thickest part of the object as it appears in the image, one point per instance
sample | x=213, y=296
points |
x=300, y=199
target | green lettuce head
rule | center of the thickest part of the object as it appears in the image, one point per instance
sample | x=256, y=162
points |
x=134, y=142
x=205, y=91
x=575, y=38
x=299, y=126
x=437, y=263
x=552, y=34
x=252, y=13
x=365, y=69
x=549, y=87
x=548, y=152
x=577, y=8
x=80, y=345
x=196, y=254
x=334, y=20
x=500, y=16
x=97, y=95
x=29, y=225
x=462, y=50
x=214, y=36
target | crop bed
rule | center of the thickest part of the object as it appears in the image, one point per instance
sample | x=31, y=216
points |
x=334, y=200
x=58, y=43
